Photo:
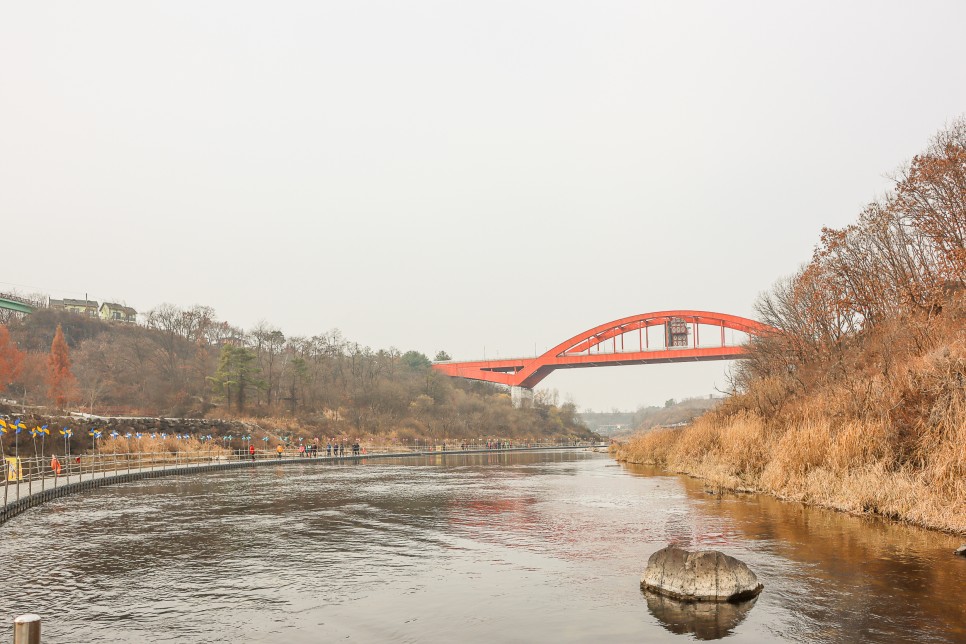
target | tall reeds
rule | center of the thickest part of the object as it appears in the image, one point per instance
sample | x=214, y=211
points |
x=890, y=442
x=858, y=400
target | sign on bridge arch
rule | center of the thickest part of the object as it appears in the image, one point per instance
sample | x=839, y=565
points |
x=648, y=338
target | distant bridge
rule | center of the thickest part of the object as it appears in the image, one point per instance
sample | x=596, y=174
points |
x=627, y=341
x=16, y=303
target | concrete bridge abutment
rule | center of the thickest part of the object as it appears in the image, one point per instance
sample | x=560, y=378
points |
x=521, y=396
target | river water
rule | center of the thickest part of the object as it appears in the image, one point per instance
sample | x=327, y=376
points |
x=544, y=547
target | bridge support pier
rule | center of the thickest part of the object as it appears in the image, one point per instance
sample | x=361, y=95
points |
x=521, y=396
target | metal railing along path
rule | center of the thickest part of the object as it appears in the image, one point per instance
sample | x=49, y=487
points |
x=41, y=479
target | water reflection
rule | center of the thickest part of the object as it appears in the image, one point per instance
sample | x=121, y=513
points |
x=860, y=578
x=521, y=547
x=703, y=620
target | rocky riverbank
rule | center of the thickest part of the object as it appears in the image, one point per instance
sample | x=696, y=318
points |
x=81, y=424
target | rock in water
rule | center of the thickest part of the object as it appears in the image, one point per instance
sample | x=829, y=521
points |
x=961, y=550
x=706, y=575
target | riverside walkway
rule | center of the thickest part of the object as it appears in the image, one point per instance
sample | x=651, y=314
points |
x=40, y=484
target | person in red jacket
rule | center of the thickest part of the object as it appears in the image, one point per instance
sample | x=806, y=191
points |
x=55, y=465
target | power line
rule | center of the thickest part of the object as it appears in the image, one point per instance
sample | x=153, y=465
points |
x=42, y=289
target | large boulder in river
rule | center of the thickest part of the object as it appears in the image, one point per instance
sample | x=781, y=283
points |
x=706, y=575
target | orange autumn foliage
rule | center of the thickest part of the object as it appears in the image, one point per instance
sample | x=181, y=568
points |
x=60, y=380
x=857, y=401
x=11, y=359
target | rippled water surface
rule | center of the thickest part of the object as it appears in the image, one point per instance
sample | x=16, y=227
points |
x=508, y=547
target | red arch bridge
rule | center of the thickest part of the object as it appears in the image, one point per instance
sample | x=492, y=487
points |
x=648, y=338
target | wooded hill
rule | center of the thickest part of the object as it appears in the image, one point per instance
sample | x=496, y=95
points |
x=858, y=402
x=187, y=363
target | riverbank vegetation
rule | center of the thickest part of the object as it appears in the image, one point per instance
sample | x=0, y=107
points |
x=185, y=363
x=858, y=400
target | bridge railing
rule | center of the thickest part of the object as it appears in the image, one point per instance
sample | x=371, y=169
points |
x=37, y=304
x=26, y=475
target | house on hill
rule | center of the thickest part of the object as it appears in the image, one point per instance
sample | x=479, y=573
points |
x=114, y=311
x=84, y=307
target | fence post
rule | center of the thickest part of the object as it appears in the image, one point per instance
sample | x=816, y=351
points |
x=26, y=629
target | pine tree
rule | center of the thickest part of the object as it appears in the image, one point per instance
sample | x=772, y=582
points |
x=60, y=380
x=237, y=373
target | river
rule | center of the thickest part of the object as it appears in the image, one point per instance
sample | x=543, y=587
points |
x=538, y=547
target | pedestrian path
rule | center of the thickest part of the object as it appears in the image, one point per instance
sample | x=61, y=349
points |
x=18, y=497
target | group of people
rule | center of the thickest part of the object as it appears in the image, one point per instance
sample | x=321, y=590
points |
x=311, y=450
x=499, y=445
x=339, y=449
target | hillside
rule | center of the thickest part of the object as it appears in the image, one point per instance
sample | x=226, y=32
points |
x=185, y=363
x=858, y=402
x=674, y=412
x=620, y=424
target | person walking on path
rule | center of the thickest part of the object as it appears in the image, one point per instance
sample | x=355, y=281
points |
x=280, y=449
x=301, y=451
x=251, y=451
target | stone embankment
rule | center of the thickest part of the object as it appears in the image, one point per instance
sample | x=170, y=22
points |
x=80, y=424
x=177, y=425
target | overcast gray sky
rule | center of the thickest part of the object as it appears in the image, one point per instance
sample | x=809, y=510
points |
x=456, y=175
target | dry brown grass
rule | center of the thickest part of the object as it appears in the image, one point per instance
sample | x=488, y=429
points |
x=158, y=445
x=887, y=438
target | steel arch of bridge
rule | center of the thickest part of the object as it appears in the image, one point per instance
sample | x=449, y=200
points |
x=579, y=351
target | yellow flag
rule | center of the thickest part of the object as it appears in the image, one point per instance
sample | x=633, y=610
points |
x=14, y=471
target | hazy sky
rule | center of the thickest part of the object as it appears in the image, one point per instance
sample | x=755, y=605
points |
x=455, y=175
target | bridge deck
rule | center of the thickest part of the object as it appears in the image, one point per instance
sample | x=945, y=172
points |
x=20, y=306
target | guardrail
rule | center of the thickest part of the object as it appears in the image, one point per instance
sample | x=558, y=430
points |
x=13, y=297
